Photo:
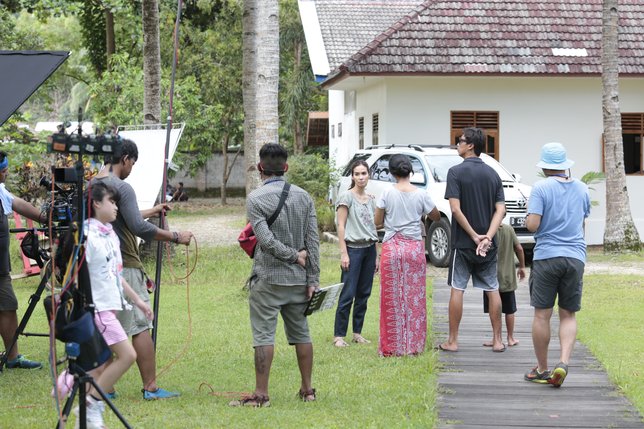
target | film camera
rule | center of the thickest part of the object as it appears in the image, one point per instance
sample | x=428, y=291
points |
x=60, y=202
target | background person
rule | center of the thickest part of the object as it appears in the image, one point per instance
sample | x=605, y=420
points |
x=180, y=193
x=403, y=312
x=8, y=301
x=557, y=210
x=475, y=194
x=357, y=237
x=129, y=225
x=509, y=246
x=286, y=272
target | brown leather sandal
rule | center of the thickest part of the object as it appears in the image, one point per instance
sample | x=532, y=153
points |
x=307, y=395
x=254, y=400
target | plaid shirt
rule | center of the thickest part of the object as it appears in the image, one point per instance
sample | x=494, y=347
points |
x=294, y=229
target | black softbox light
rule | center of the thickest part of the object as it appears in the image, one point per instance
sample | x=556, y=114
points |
x=22, y=73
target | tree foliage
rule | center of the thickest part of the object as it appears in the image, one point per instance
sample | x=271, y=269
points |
x=209, y=80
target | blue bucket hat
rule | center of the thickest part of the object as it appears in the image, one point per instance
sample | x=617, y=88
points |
x=553, y=157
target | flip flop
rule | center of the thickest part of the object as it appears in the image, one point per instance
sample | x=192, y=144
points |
x=340, y=343
x=500, y=350
x=440, y=347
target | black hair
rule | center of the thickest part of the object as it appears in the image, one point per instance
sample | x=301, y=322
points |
x=400, y=165
x=358, y=163
x=476, y=137
x=126, y=148
x=3, y=155
x=272, y=159
x=97, y=191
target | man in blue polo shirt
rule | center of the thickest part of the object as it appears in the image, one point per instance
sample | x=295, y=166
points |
x=557, y=211
x=475, y=194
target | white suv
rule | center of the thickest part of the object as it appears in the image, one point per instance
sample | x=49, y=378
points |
x=431, y=164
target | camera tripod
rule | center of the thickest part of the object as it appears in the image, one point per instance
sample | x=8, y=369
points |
x=33, y=301
x=81, y=380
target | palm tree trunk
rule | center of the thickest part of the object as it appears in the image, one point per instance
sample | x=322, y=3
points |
x=151, y=63
x=260, y=81
x=298, y=138
x=249, y=89
x=110, y=43
x=620, y=232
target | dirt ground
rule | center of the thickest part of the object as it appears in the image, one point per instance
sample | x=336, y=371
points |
x=222, y=229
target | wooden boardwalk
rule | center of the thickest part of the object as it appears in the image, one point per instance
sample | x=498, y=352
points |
x=482, y=389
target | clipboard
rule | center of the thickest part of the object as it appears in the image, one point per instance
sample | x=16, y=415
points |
x=323, y=299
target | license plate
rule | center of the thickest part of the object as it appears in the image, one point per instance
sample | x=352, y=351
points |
x=517, y=222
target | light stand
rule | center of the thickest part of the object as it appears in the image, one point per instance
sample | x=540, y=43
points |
x=81, y=378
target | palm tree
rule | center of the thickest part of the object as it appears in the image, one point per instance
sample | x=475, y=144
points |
x=151, y=63
x=260, y=81
x=620, y=233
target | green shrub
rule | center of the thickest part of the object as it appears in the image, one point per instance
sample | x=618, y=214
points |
x=313, y=173
x=326, y=217
x=310, y=172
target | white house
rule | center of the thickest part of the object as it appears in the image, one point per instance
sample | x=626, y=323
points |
x=527, y=71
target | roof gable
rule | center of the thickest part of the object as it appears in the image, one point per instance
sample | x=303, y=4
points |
x=501, y=36
x=348, y=25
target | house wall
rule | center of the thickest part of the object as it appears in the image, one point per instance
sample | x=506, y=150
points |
x=532, y=111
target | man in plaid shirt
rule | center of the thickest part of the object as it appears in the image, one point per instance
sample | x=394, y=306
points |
x=286, y=272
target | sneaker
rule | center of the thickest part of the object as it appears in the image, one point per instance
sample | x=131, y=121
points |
x=537, y=377
x=22, y=362
x=111, y=395
x=558, y=374
x=93, y=414
x=149, y=395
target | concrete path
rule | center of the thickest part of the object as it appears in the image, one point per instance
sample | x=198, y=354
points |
x=482, y=389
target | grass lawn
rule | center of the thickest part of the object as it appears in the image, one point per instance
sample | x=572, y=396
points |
x=610, y=324
x=356, y=388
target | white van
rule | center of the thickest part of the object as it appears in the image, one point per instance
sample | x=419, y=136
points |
x=431, y=164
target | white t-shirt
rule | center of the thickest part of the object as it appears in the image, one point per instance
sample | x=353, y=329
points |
x=403, y=211
x=104, y=263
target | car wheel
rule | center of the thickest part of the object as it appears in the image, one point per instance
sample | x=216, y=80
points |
x=438, y=242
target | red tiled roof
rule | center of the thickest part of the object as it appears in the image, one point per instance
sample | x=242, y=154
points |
x=348, y=25
x=501, y=37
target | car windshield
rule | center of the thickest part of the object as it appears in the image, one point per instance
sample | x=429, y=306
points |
x=356, y=157
x=500, y=170
x=440, y=164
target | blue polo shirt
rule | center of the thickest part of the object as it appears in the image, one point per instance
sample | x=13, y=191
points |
x=478, y=188
x=563, y=206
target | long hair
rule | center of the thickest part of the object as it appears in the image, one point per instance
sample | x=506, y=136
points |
x=400, y=166
x=355, y=164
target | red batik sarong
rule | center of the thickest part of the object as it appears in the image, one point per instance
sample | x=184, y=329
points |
x=403, y=308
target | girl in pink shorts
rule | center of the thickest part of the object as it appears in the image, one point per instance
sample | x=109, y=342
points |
x=104, y=263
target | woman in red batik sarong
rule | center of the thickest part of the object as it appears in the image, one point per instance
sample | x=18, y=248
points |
x=403, y=308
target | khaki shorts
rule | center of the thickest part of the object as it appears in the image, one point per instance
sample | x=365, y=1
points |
x=134, y=321
x=266, y=302
x=8, y=300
